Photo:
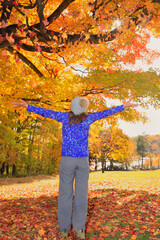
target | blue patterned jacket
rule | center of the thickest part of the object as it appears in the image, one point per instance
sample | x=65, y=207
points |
x=75, y=136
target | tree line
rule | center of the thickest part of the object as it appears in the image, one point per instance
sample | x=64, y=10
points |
x=114, y=150
x=29, y=146
x=32, y=146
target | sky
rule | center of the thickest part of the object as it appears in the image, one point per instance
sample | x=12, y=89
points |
x=153, y=126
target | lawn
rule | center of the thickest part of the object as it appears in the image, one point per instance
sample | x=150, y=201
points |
x=122, y=205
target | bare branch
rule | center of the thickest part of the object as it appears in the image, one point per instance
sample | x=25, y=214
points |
x=75, y=69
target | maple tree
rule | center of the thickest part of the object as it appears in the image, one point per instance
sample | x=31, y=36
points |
x=54, y=28
x=56, y=38
x=44, y=44
x=110, y=145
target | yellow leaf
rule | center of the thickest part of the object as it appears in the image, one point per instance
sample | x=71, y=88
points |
x=133, y=237
x=41, y=232
x=87, y=36
x=64, y=35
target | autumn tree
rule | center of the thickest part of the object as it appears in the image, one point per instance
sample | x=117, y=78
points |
x=142, y=147
x=9, y=144
x=44, y=44
x=52, y=37
x=153, y=149
x=54, y=28
x=111, y=145
x=57, y=39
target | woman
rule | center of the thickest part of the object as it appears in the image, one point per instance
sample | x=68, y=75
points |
x=74, y=159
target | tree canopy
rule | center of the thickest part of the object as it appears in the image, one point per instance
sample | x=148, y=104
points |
x=64, y=31
x=57, y=28
x=49, y=42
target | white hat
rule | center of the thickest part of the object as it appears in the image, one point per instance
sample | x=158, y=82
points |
x=79, y=105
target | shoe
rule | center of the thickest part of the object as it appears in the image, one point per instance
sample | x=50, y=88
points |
x=80, y=234
x=63, y=234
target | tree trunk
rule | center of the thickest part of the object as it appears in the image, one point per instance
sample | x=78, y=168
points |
x=126, y=166
x=7, y=169
x=142, y=162
x=103, y=161
x=138, y=163
x=30, y=148
x=13, y=170
x=150, y=163
x=95, y=163
x=111, y=165
x=2, y=168
x=105, y=164
x=28, y=169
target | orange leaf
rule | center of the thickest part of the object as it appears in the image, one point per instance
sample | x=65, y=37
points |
x=41, y=232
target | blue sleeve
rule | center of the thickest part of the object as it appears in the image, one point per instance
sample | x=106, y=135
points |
x=59, y=116
x=92, y=117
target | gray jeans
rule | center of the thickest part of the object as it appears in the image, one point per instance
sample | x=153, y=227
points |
x=73, y=168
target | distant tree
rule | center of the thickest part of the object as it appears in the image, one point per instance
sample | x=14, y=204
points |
x=142, y=146
x=111, y=144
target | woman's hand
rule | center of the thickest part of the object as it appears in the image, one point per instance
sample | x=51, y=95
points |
x=130, y=104
x=21, y=103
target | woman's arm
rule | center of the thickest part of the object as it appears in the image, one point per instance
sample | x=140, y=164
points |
x=59, y=116
x=92, y=117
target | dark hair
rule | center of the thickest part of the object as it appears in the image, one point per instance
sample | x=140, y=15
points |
x=76, y=118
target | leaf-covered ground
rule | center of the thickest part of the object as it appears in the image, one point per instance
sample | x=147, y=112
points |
x=122, y=205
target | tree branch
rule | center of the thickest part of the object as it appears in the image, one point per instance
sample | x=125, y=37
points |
x=31, y=6
x=56, y=13
x=37, y=100
x=40, y=8
x=24, y=59
x=6, y=11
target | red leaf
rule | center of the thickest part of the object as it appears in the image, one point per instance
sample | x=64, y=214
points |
x=18, y=47
x=45, y=22
x=38, y=48
x=1, y=38
x=19, y=21
x=81, y=35
x=15, y=3
x=48, y=207
x=4, y=24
